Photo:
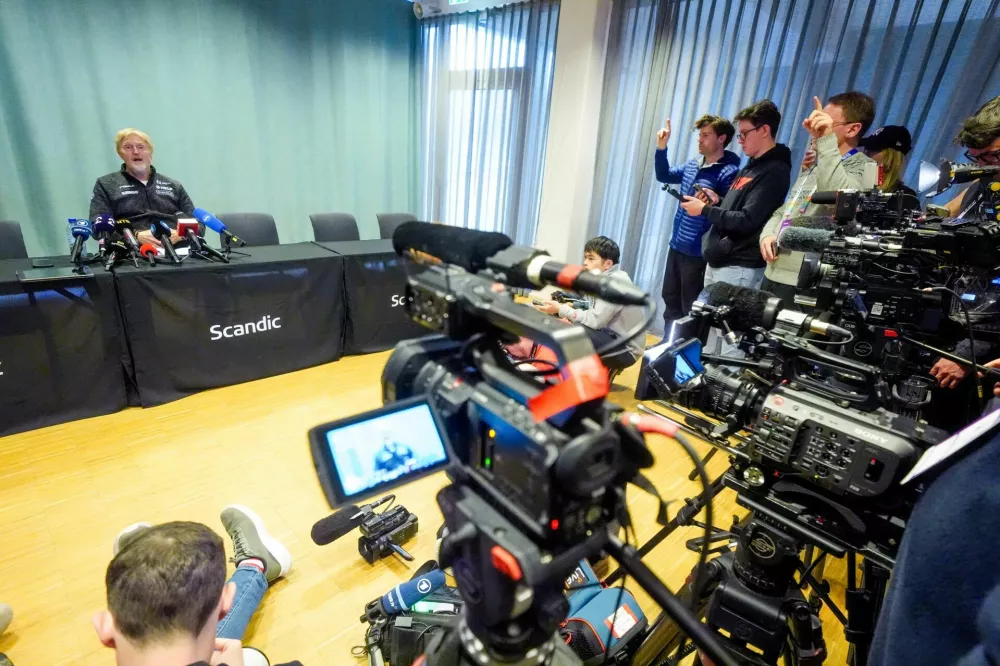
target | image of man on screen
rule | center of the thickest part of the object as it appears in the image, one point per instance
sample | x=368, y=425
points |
x=393, y=458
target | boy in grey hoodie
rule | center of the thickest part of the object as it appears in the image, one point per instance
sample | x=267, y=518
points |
x=836, y=165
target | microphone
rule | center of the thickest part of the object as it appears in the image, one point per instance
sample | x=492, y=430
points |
x=516, y=265
x=467, y=248
x=333, y=527
x=216, y=225
x=799, y=239
x=828, y=198
x=115, y=250
x=148, y=250
x=189, y=229
x=815, y=222
x=402, y=597
x=104, y=230
x=341, y=522
x=124, y=227
x=753, y=308
x=80, y=229
x=161, y=232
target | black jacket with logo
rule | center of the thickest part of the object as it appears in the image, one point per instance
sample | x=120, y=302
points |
x=124, y=196
x=757, y=191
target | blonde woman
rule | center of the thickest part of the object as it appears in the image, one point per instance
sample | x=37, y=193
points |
x=889, y=146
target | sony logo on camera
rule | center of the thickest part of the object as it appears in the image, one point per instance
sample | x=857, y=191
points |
x=267, y=323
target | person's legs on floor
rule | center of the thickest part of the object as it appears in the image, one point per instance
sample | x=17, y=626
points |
x=260, y=560
x=692, y=281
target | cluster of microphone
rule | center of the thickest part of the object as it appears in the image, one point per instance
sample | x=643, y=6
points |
x=117, y=240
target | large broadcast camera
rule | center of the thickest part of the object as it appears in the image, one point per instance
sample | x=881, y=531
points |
x=908, y=284
x=538, y=461
x=818, y=463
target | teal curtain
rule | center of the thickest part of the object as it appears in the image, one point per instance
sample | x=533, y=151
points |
x=281, y=107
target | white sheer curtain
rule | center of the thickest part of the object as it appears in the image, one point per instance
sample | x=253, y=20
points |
x=487, y=82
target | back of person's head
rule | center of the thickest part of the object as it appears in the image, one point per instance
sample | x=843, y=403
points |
x=983, y=128
x=721, y=126
x=858, y=108
x=166, y=584
x=605, y=248
x=760, y=114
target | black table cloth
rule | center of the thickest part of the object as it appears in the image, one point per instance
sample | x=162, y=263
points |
x=375, y=284
x=60, y=349
x=201, y=325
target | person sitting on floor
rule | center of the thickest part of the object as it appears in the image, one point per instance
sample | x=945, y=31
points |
x=167, y=594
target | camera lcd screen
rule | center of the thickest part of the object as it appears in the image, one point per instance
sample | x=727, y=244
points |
x=371, y=453
x=687, y=362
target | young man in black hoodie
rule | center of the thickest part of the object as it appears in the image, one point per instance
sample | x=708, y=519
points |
x=732, y=245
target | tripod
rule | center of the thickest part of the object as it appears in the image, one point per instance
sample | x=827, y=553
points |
x=514, y=592
x=753, y=596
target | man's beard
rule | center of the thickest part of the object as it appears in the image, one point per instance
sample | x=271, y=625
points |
x=139, y=169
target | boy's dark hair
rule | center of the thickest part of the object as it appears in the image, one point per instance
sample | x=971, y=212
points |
x=721, y=126
x=858, y=108
x=605, y=248
x=761, y=113
x=167, y=581
x=982, y=128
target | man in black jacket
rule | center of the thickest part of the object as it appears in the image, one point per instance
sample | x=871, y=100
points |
x=731, y=246
x=136, y=191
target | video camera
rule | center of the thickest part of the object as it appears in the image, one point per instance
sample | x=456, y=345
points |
x=538, y=462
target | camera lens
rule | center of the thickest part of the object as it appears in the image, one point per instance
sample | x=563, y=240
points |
x=728, y=397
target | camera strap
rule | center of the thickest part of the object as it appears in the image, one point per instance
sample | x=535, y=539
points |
x=642, y=482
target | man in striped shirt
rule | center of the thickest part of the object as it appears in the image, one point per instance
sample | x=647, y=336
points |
x=714, y=170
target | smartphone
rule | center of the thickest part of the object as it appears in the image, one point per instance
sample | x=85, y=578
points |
x=699, y=189
x=537, y=302
x=674, y=193
x=54, y=274
x=368, y=454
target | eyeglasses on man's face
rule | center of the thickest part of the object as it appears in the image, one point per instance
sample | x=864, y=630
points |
x=740, y=136
x=991, y=157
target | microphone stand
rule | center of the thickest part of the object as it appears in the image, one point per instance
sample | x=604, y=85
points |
x=227, y=248
x=202, y=249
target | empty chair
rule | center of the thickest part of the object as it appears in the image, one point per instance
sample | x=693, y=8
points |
x=11, y=241
x=387, y=222
x=254, y=228
x=332, y=227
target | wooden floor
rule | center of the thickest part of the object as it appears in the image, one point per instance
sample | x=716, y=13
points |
x=65, y=491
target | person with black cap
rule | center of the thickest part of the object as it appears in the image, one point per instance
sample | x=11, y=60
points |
x=889, y=146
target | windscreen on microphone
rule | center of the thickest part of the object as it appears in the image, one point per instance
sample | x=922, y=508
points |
x=80, y=229
x=746, y=305
x=159, y=229
x=804, y=240
x=147, y=249
x=209, y=220
x=335, y=526
x=467, y=248
x=402, y=597
x=815, y=222
x=104, y=226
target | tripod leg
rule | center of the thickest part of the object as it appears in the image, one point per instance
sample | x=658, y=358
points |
x=704, y=461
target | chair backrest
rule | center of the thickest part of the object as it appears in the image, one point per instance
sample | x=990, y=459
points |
x=387, y=222
x=332, y=227
x=254, y=228
x=11, y=241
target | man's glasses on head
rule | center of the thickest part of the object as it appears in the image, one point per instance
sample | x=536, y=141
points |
x=990, y=158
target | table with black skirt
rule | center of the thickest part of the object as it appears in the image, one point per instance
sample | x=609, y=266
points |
x=60, y=348
x=201, y=325
x=375, y=287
